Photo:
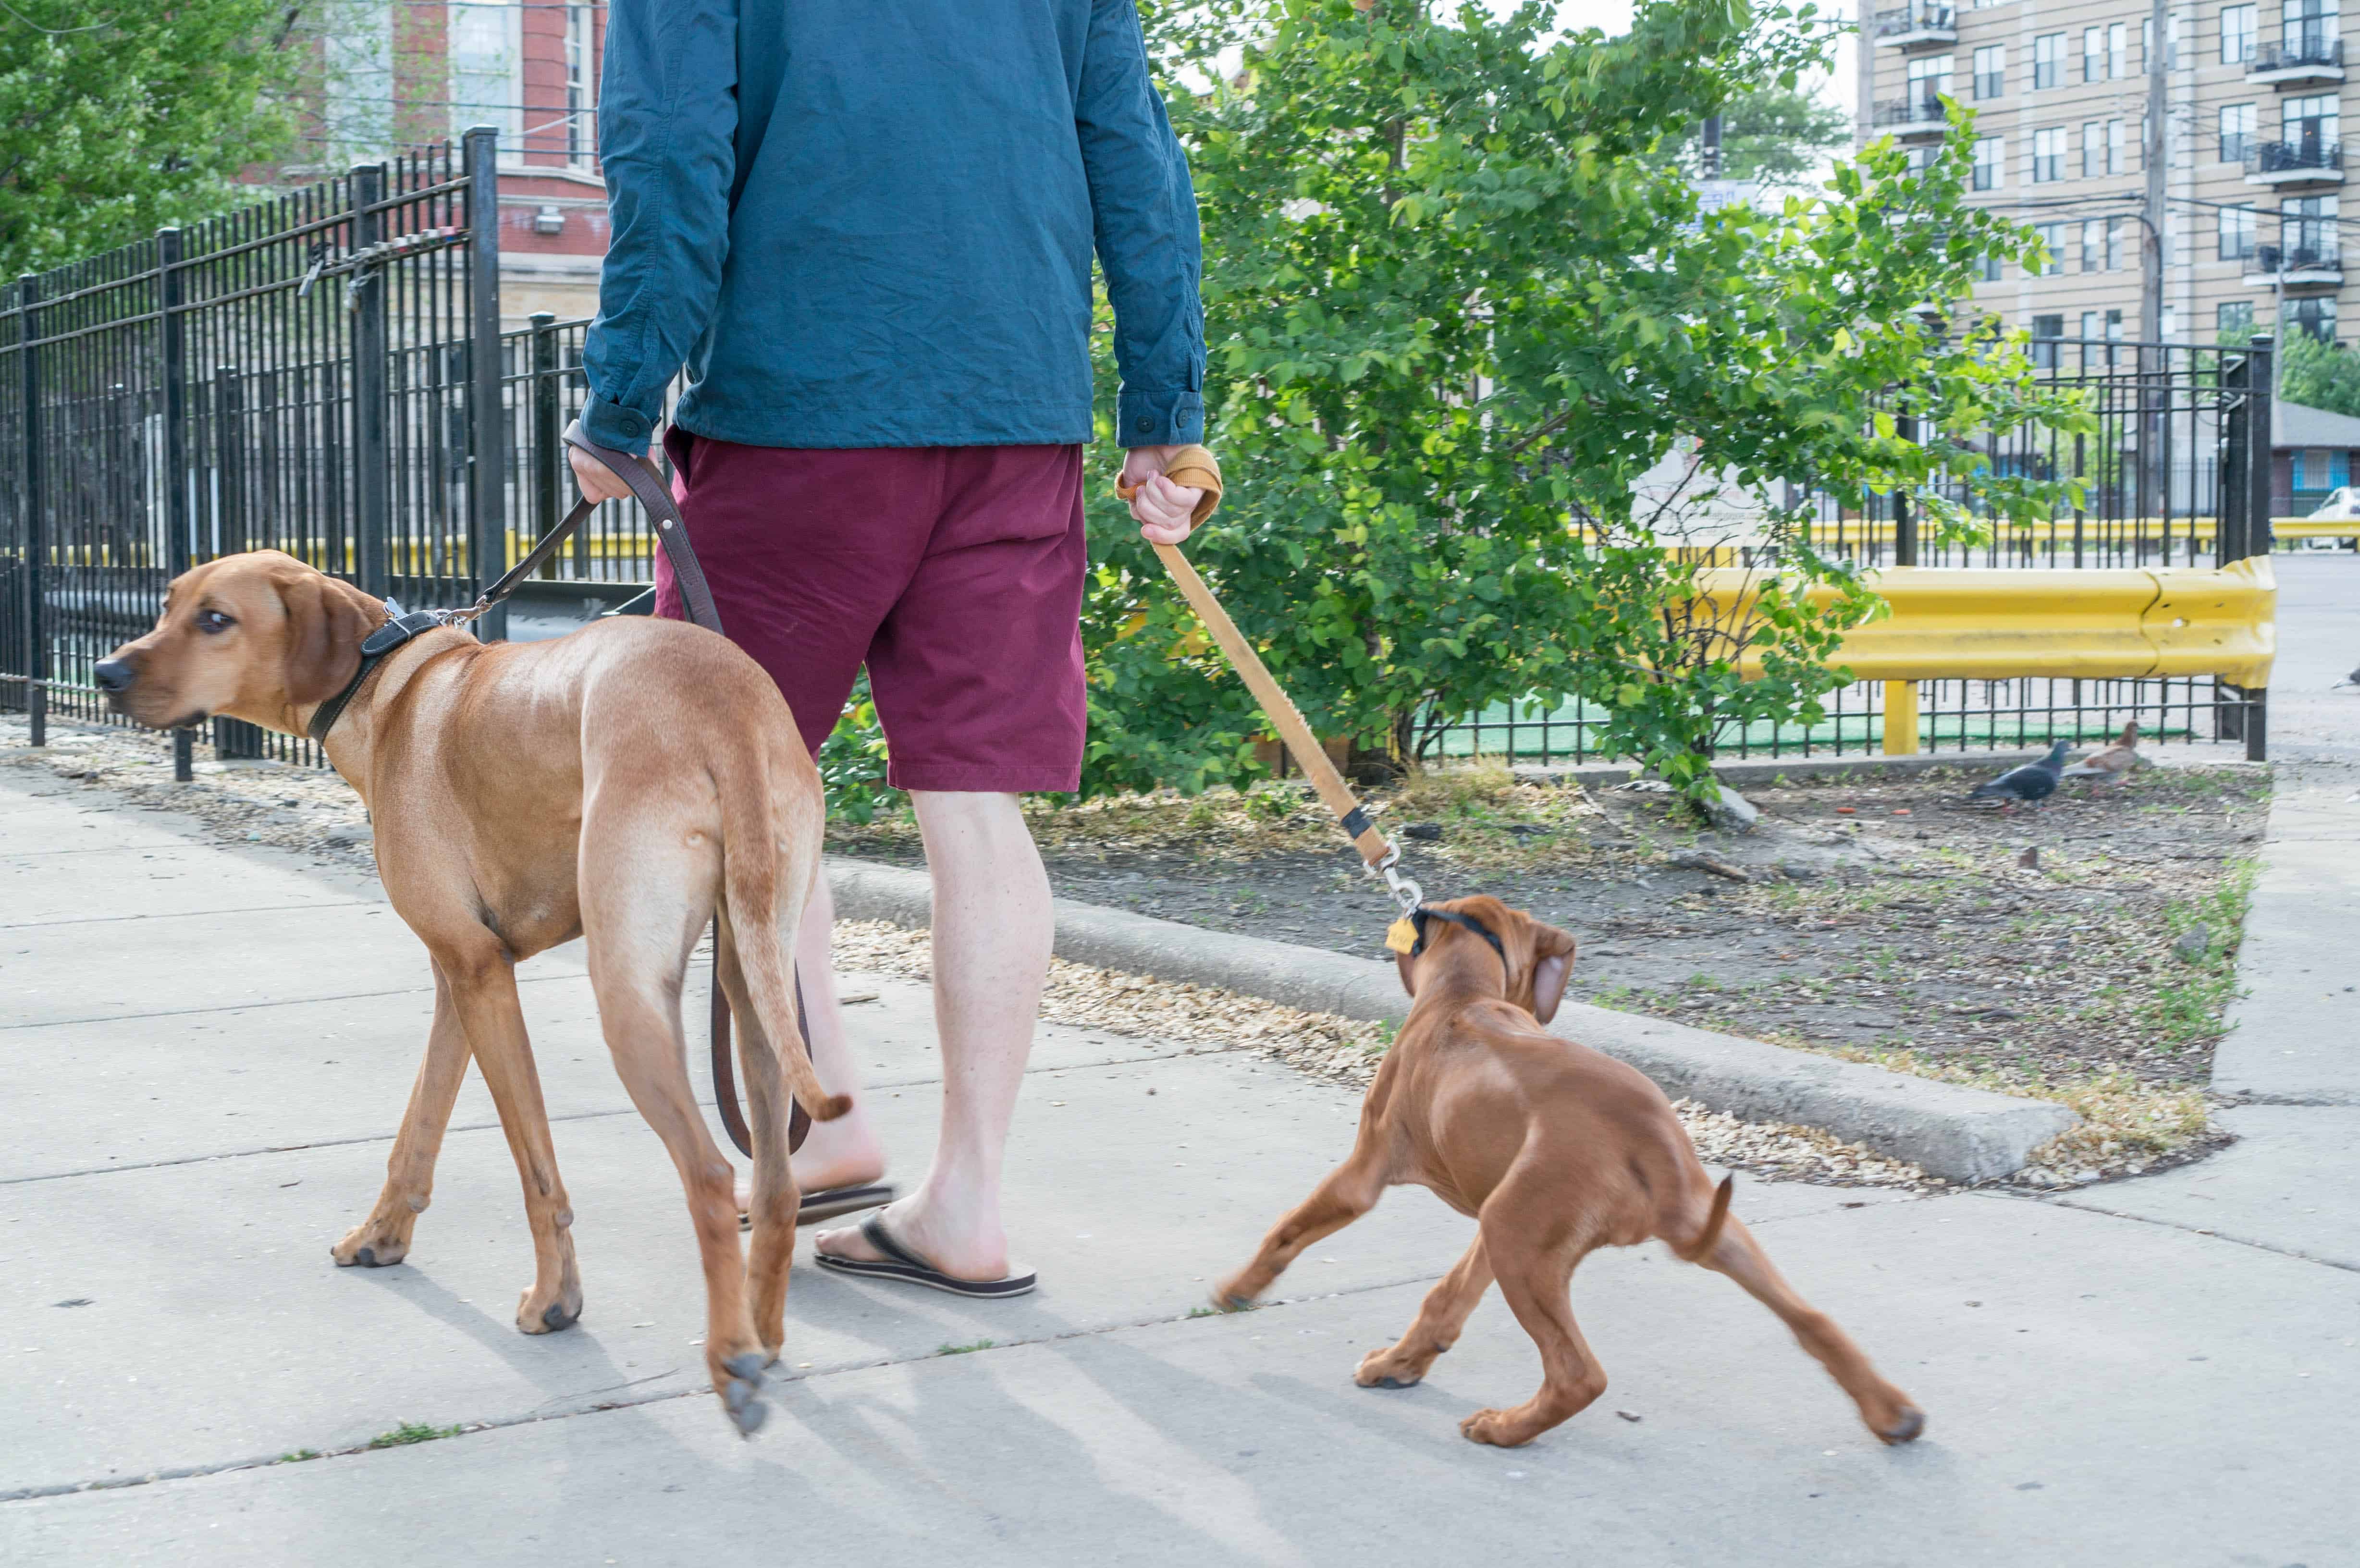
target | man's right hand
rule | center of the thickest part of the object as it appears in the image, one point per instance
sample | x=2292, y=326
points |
x=598, y=482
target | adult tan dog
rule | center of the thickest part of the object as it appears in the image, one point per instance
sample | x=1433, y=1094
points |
x=1555, y=1149
x=621, y=784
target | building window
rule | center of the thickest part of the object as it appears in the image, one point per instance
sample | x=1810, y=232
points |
x=2237, y=232
x=1987, y=269
x=2234, y=320
x=2052, y=240
x=2311, y=28
x=2049, y=155
x=2307, y=124
x=2094, y=245
x=1990, y=151
x=581, y=92
x=2114, y=147
x=2171, y=323
x=2170, y=43
x=2093, y=54
x=2118, y=52
x=486, y=55
x=1990, y=71
x=2049, y=60
x=2312, y=317
x=2307, y=230
x=2046, y=330
x=1921, y=159
x=2094, y=148
x=1930, y=81
x=2114, y=245
x=2236, y=132
x=2236, y=34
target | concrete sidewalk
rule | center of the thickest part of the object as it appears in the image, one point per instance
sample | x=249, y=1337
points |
x=204, y=1052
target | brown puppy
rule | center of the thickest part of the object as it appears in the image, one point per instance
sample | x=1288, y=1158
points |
x=1555, y=1149
x=620, y=784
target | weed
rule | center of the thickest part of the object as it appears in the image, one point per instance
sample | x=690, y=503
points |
x=968, y=1349
x=1456, y=791
x=1203, y=1311
x=413, y=1431
x=297, y=1456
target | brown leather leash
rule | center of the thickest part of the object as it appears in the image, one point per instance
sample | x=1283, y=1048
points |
x=654, y=495
x=1195, y=467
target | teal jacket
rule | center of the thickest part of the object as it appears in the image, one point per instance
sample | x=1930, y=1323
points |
x=869, y=223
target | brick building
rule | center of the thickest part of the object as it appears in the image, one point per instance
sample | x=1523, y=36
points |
x=2255, y=167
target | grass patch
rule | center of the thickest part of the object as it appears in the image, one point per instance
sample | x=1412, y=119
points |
x=1203, y=1311
x=297, y=1456
x=409, y=1433
x=968, y=1349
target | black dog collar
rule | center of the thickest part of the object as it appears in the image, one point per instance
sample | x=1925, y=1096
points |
x=1419, y=916
x=374, y=647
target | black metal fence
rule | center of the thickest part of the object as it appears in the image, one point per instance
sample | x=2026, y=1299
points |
x=2176, y=472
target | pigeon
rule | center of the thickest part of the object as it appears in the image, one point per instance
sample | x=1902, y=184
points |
x=2033, y=781
x=2112, y=764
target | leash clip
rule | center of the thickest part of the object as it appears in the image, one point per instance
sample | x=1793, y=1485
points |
x=1405, y=891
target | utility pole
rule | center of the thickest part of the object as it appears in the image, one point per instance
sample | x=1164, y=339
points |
x=2159, y=142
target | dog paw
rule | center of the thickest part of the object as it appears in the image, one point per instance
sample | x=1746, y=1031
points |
x=1498, y=1428
x=1384, y=1369
x=538, y=1312
x=370, y=1245
x=1903, y=1426
x=740, y=1389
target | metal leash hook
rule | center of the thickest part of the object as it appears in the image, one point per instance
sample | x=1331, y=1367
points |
x=1405, y=891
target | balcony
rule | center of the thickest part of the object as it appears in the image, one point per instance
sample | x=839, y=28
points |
x=2306, y=162
x=2304, y=60
x=2294, y=267
x=1915, y=26
x=1912, y=120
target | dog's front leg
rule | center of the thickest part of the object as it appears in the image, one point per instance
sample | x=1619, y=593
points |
x=483, y=985
x=1348, y=1192
x=384, y=1237
x=1439, y=1319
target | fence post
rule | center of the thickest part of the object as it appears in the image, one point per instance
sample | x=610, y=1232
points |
x=37, y=531
x=372, y=463
x=1901, y=696
x=487, y=447
x=2246, y=714
x=2232, y=495
x=548, y=487
x=2261, y=456
x=178, y=520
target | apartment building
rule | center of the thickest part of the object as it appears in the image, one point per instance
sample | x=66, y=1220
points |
x=2255, y=163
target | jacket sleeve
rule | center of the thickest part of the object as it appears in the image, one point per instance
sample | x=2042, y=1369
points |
x=667, y=125
x=1144, y=212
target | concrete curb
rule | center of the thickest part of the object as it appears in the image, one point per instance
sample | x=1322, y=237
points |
x=1959, y=1134
x=1753, y=773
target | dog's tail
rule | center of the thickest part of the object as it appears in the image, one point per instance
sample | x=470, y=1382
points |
x=1707, y=1239
x=749, y=881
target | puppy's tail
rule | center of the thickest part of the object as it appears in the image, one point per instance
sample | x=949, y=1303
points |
x=1701, y=1248
x=750, y=874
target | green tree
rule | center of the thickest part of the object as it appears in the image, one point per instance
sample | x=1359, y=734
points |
x=117, y=119
x=2319, y=374
x=1458, y=308
x=1780, y=137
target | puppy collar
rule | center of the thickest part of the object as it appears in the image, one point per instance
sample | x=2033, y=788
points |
x=1419, y=916
x=400, y=629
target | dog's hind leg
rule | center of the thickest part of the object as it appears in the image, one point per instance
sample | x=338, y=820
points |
x=1439, y=1319
x=775, y=1194
x=645, y=894
x=483, y=986
x=1348, y=1191
x=384, y=1237
x=1886, y=1410
x=1537, y=1281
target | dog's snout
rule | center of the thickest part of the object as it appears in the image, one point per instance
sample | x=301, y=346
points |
x=114, y=675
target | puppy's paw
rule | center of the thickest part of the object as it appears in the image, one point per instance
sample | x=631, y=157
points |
x=1232, y=1296
x=540, y=1311
x=375, y=1243
x=740, y=1383
x=1903, y=1424
x=1387, y=1368
x=1500, y=1429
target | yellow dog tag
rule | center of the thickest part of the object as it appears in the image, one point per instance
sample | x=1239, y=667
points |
x=1400, y=936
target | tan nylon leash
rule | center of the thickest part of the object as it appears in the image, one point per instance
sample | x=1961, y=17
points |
x=1194, y=466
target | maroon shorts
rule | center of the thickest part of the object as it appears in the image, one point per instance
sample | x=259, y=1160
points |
x=954, y=573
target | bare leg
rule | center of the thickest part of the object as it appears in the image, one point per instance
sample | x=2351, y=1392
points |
x=1439, y=1319
x=991, y=937
x=1884, y=1408
x=1343, y=1195
x=1537, y=1287
x=384, y=1237
x=843, y=1153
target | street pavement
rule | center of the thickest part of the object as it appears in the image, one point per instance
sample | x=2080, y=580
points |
x=205, y=1051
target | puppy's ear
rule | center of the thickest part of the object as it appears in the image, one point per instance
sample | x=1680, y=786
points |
x=326, y=620
x=1551, y=964
x=1406, y=964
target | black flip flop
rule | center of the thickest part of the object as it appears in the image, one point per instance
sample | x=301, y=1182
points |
x=906, y=1267
x=829, y=1202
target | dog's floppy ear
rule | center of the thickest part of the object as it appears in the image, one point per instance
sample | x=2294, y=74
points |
x=1406, y=964
x=326, y=620
x=1552, y=964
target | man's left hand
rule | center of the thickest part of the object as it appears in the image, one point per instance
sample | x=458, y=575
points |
x=1161, y=508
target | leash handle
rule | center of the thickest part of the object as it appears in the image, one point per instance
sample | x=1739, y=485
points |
x=647, y=486
x=1375, y=849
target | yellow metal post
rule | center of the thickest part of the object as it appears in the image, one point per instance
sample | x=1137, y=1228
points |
x=1901, y=718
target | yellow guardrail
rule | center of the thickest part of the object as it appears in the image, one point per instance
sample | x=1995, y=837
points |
x=2314, y=527
x=1984, y=623
x=410, y=558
